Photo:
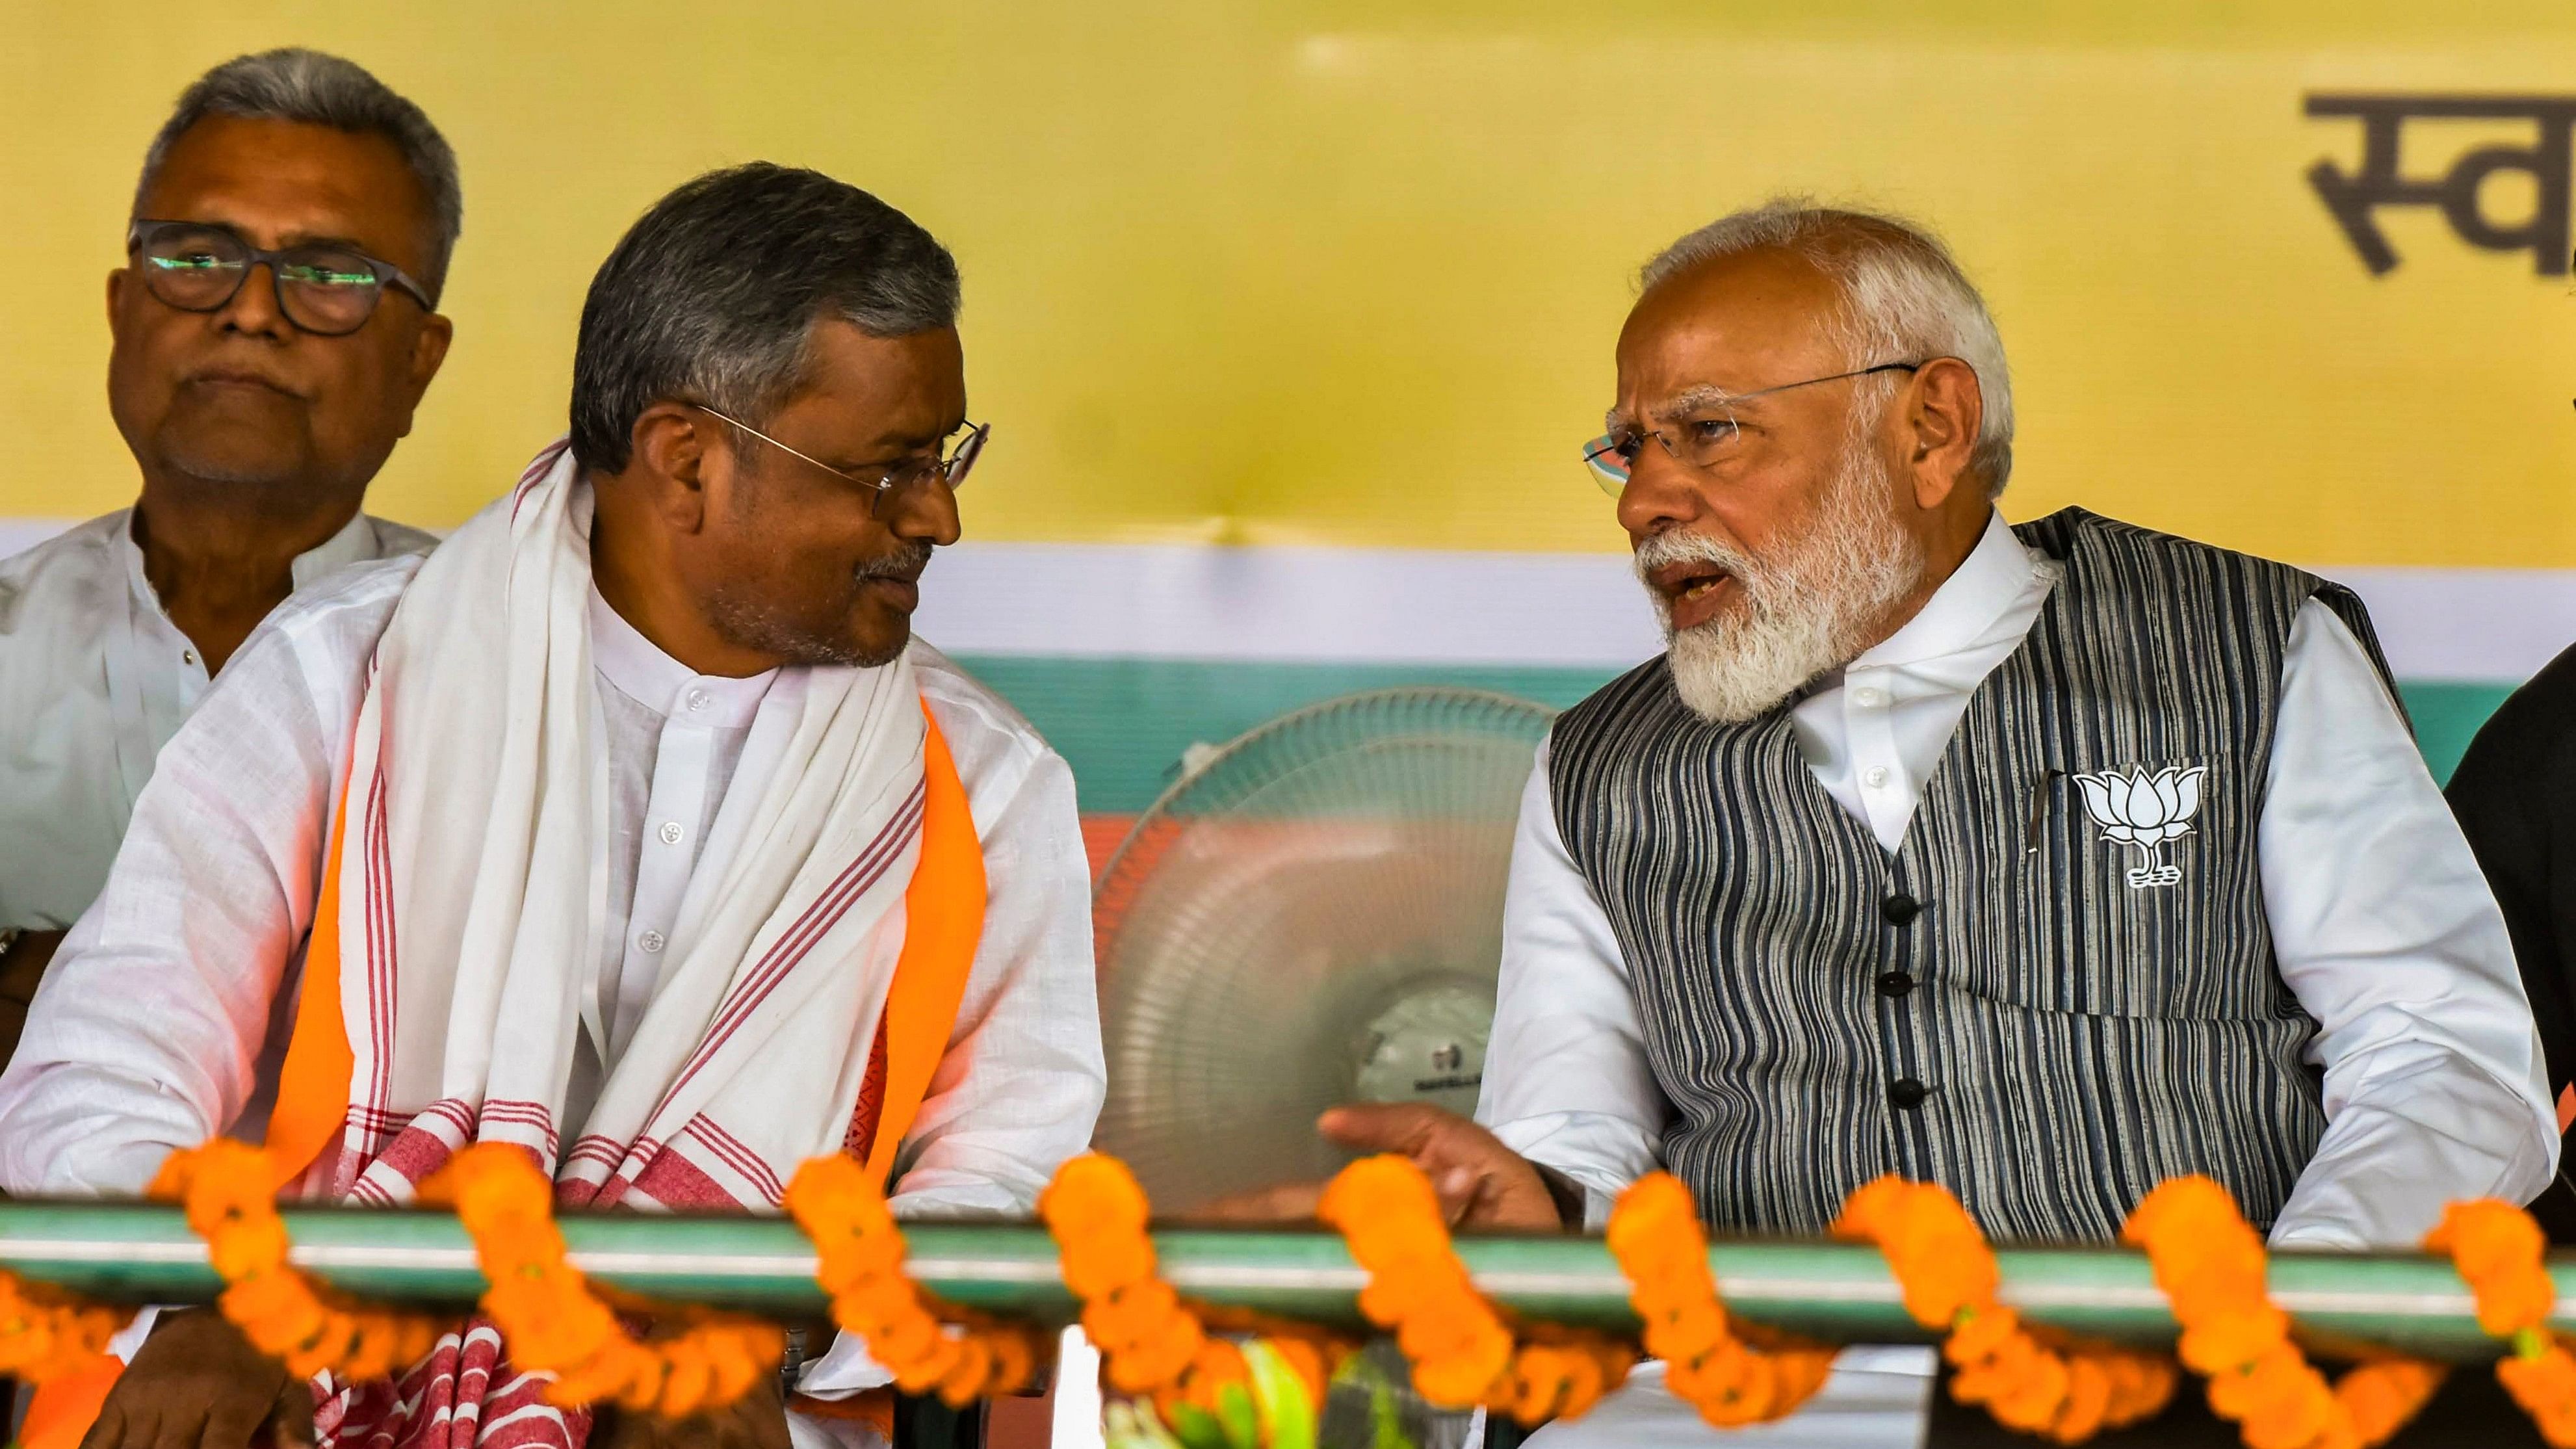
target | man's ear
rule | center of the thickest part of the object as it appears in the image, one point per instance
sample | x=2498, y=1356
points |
x=1943, y=412
x=428, y=350
x=672, y=461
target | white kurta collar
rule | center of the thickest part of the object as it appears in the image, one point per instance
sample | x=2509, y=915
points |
x=1994, y=577
x=639, y=669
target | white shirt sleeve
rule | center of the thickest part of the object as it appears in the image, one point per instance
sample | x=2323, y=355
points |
x=150, y=1029
x=1021, y=1085
x=1022, y=1082
x=1566, y=1078
x=2386, y=932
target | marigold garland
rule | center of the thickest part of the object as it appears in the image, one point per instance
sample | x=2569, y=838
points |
x=225, y=1189
x=45, y=1334
x=1948, y=1274
x=2499, y=1252
x=1463, y=1351
x=1152, y=1344
x=553, y=1322
x=2210, y=1263
x=1655, y=1234
x=859, y=1253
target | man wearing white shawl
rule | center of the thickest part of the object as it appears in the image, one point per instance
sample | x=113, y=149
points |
x=631, y=827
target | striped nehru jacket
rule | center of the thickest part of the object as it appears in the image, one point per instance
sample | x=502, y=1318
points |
x=2017, y=1005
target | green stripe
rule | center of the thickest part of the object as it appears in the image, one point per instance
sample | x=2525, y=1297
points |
x=1123, y=723
x=2447, y=717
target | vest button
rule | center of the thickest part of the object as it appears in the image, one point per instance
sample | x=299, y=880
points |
x=1900, y=909
x=1895, y=983
x=1906, y=1093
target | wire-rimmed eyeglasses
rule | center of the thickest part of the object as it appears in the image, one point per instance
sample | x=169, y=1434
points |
x=951, y=469
x=323, y=288
x=1702, y=441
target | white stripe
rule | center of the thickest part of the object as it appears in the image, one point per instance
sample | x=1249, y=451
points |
x=1287, y=604
x=2474, y=625
x=1406, y=606
x=1574, y=610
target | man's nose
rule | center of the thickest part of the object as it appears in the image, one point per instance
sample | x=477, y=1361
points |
x=926, y=510
x=1662, y=493
x=253, y=309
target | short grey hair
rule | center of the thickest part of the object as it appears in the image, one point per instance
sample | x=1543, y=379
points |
x=1905, y=298
x=712, y=298
x=315, y=89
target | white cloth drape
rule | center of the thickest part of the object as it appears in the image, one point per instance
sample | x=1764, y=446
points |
x=470, y=895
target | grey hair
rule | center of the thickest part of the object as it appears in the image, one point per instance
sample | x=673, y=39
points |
x=1904, y=298
x=314, y=89
x=713, y=295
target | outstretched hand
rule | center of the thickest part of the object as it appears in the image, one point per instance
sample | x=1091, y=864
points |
x=1481, y=1183
x=198, y=1384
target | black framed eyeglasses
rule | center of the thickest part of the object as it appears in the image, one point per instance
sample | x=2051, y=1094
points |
x=951, y=469
x=1701, y=441
x=199, y=266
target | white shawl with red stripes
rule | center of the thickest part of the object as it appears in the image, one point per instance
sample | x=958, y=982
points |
x=472, y=900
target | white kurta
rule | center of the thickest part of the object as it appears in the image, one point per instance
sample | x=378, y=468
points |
x=2382, y=925
x=94, y=680
x=164, y=1017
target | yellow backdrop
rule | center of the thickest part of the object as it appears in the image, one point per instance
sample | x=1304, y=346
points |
x=1349, y=272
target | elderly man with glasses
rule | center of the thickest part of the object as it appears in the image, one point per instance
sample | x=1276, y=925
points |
x=275, y=325
x=2044, y=862
x=633, y=827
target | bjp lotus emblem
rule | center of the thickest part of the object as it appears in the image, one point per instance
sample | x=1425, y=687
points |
x=2145, y=811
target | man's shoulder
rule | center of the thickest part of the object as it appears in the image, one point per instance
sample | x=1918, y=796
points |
x=2058, y=535
x=346, y=610
x=400, y=540
x=78, y=567
x=2530, y=741
x=974, y=718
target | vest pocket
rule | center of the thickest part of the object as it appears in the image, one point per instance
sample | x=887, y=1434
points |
x=2138, y=895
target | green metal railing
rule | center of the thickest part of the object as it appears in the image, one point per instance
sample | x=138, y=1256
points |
x=140, y=1252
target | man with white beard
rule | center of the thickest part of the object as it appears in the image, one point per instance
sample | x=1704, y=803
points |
x=2044, y=863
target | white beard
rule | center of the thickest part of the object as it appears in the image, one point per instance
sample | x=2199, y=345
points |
x=1806, y=611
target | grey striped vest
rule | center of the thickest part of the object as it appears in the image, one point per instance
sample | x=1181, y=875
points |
x=1996, y=1007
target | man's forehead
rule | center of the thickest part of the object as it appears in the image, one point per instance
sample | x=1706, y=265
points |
x=283, y=182
x=1733, y=325
x=897, y=390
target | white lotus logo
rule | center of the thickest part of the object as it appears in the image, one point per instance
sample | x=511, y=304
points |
x=2145, y=811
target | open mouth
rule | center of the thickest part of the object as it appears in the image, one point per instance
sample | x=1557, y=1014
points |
x=1692, y=590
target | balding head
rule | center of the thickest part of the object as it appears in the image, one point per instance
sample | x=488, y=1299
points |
x=1896, y=294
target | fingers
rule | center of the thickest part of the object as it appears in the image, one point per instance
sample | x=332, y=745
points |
x=1287, y=1202
x=224, y=1426
x=107, y=1431
x=1404, y=1127
x=1459, y=1189
x=290, y=1420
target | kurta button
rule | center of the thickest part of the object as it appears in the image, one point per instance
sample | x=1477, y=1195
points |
x=1906, y=1093
x=1895, y=983
x=1901, y=909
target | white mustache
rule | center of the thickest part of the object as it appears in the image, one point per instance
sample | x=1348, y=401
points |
x=1672, y=548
